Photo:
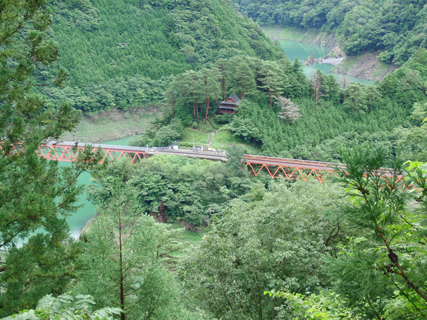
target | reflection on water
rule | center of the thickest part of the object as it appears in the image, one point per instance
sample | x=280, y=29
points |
x=302, y=50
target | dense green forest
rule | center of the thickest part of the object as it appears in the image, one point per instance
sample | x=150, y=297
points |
x=122, y=54
x=352, y=248
x=395, y=29
x=283, y=113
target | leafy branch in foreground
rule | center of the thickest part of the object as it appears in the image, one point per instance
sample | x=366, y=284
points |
x=383, y=271
x=66, y=307
x=324, y=305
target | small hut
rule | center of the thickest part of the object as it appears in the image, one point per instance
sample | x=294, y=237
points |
x=229, y=105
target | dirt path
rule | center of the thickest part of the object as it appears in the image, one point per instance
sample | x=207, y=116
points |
x=212, y=135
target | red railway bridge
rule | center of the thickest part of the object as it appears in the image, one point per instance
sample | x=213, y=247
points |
x=68, y=151
x=292, y=169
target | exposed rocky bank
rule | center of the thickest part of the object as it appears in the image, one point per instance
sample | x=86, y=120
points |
x=366, y=66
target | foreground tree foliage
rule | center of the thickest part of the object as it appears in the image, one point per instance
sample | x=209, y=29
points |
x=383, y=270
x=322, y=306
x=121, y=261
x=66, y=307
x=34, y=194
x=268, y=239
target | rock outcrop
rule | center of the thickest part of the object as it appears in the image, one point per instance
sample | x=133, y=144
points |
x=336, y=52
x=327, y=60
x=367, y=66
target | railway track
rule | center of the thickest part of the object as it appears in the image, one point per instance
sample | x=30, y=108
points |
x=292, y=169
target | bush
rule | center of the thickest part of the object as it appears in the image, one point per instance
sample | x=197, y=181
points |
x=195, y=125
x=224, y=118
x=168, y=134
x=140, y=141
x=185, y=144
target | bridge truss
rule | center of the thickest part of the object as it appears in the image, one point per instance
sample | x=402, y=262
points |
x=291, y=169
x=69, y=152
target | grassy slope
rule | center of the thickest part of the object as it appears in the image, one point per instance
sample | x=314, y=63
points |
x=222, y=138
x=112, y=125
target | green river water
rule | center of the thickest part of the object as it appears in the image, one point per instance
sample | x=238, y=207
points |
x=291, y=48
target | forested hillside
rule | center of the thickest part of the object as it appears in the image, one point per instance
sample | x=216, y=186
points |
x=122, y=54
x=353, y=247
x=394, y=28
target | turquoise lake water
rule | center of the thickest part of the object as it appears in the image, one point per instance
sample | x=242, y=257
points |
x=78, y=220
x=302, y=50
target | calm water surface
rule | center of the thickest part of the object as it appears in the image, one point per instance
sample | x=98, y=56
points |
x=302, y=50
x=78, y=220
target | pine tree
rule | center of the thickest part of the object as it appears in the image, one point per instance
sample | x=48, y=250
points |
x=223, y=66
x=242, y=78
x=383, y=271
x=210, y=86
x=35, y=194
x=355, y=98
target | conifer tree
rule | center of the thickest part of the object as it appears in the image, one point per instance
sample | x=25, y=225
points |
x=383, y=271
x=355, y=98
x=171, y=95
x=121, y=263
x=272, y=81
x=210, y=86
x=243, y=78
x=317, y=86
x=223, y=66
x=191, y=80
x=36, y=194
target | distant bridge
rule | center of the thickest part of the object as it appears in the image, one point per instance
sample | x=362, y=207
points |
x=291, y=169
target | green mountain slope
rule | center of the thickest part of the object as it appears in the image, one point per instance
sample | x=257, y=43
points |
x=120, y=53
x=396, y=28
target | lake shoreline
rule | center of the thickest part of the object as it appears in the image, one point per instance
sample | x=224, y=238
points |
x=366, y=66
